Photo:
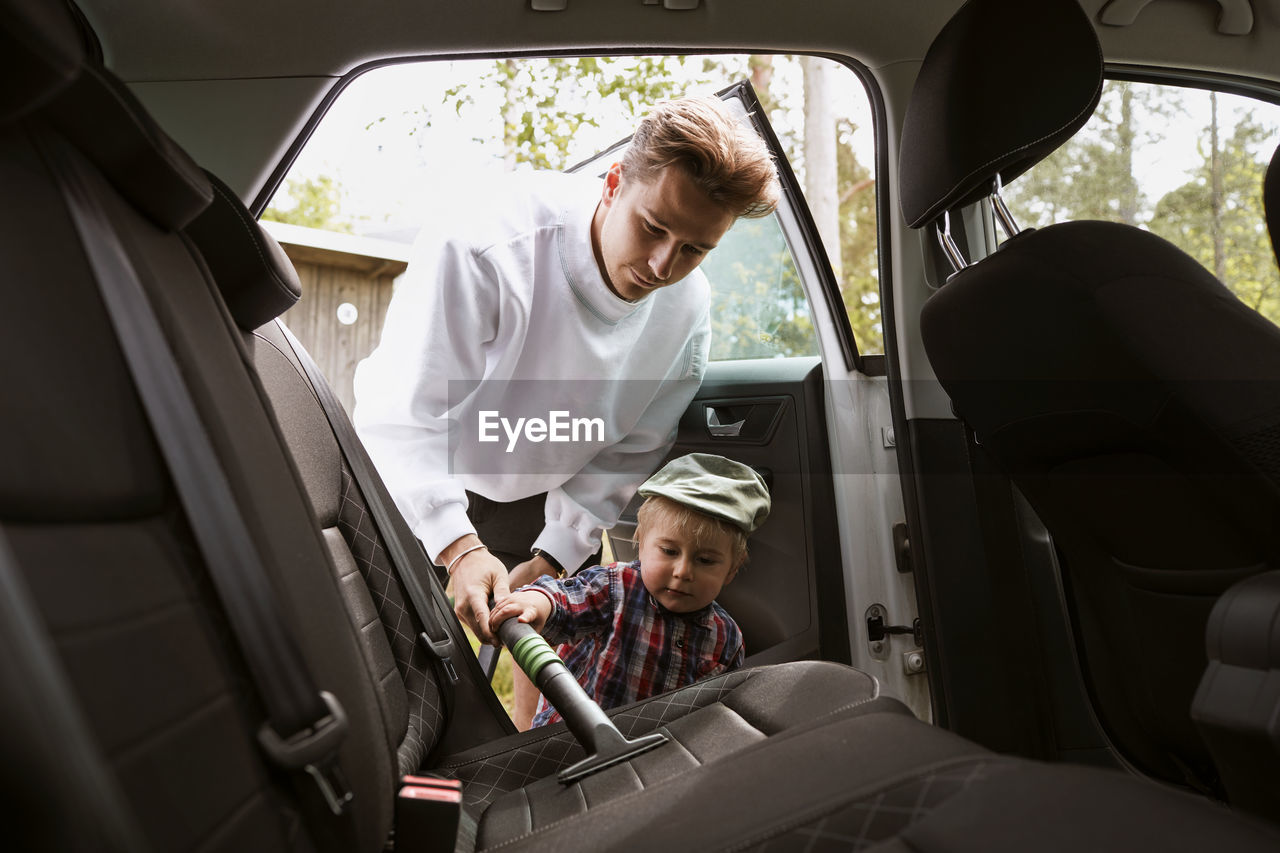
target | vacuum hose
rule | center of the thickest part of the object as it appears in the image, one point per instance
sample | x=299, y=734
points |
x=599, y=737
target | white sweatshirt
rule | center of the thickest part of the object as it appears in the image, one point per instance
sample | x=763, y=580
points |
x=503, y=315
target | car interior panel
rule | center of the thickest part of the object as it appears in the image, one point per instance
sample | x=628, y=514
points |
x=217, y=637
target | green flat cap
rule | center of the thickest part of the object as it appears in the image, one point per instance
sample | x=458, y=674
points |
x=713, y=485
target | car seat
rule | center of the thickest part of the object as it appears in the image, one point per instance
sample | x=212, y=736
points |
x=1126, y=392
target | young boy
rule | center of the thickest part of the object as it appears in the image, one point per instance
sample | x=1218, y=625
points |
x=633, y=630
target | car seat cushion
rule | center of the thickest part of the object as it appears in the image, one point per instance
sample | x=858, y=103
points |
x=727, y=800
x=707, y=720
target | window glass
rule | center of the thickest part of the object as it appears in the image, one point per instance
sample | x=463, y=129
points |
x=402, y=140
x=1186, y=164
x=758, y=308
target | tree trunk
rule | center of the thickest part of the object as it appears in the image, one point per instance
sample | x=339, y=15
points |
x=511, y=118
x=761, y=68
x=1216, y=192
x=820, y=174
x=1125, y=138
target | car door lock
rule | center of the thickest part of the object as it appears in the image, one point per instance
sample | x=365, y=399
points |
x=879, y=630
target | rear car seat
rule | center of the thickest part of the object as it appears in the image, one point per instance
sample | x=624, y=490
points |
x=709, y=720
x=142, y=667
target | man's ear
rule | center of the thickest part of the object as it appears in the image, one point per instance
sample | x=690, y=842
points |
x=612, y=183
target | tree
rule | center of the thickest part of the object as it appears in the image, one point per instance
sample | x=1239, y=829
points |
x=859, y=243
x=1218, y=217
x=820, y=161
x=310, y=202
x=548, y=102
x=1092, y=175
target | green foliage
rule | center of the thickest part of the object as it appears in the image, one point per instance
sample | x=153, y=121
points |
x=758, y=308
x=310, y=202
x=859, y=244
x=1216, y=216
x=549, y=101
x=1226, y=230
x=1092, y=175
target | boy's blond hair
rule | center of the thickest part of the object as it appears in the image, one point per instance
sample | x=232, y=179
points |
x=698, y=526
x=726, y=160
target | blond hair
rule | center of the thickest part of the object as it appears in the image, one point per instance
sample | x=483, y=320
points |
x=726, y=160
x=698, y=526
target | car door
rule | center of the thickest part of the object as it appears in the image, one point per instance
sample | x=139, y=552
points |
x=787, y=392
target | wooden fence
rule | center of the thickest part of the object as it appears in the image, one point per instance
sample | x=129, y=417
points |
x=346, y=287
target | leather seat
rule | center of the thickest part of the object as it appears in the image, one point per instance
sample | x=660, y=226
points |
x=1126, y=392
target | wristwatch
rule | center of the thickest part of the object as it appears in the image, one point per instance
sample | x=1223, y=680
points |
x=555, y=564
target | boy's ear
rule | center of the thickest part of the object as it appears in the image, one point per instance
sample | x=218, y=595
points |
x=733, y=573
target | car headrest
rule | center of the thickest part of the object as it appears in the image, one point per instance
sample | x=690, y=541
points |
x=1004, y=83
x=100, y=116
x=50, y=76
x=41, y=52
x=257, y=280
x=1271, y=201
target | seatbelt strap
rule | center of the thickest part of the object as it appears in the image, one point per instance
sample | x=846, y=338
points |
x=435, y=637
x=304, y=726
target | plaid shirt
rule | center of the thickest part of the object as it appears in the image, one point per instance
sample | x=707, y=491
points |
x=624, y=646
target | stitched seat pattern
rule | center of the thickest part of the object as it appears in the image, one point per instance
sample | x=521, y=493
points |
x=855, y=826
x=518, y=761
x=426, y=711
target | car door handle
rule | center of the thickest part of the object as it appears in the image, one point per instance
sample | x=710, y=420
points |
x=722, y=430
x=751, y=420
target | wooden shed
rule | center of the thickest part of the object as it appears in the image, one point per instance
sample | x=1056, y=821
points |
x=346, y=287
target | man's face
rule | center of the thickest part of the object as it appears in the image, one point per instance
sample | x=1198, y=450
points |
x=649, y=234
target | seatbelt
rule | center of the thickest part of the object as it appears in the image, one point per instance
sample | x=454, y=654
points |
x=424, y=603
x=304, y=726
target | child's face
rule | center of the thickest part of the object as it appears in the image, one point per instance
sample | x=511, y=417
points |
x=684, y=575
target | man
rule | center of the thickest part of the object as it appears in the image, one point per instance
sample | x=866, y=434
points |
x=538, y=355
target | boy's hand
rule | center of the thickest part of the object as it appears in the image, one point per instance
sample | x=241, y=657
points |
x=530, y=607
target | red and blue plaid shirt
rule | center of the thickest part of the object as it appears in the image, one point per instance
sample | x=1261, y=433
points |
x=624, y=646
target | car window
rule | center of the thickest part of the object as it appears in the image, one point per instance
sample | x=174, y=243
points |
x=1186, y=164
x=402, y=139
x=758, y=307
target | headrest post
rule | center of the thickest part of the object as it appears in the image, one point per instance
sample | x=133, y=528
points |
x=949, y=247
x=1003, y=214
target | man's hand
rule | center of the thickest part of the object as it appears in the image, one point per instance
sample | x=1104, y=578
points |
x=529, y=571
x=476, y=576
x=530, y=607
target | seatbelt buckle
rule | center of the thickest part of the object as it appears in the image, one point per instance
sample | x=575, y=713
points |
x=442, y=651
x=333, y=785
x=428, y=811
x=314, y=751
